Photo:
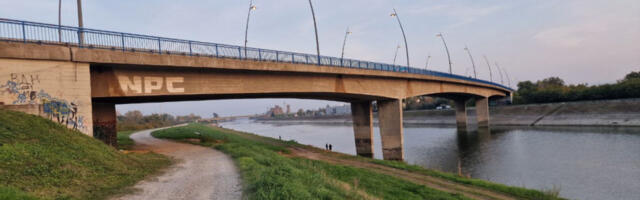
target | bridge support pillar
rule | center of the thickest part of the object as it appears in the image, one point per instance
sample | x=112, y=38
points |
x=482, y=111
x=361, y=114
x=390, y=119
x=104, y=123
x=461, y=113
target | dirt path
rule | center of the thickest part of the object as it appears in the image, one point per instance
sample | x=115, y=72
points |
x=429, y=181
x=200, y=172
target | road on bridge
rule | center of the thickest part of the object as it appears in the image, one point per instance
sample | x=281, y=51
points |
x=200, y=172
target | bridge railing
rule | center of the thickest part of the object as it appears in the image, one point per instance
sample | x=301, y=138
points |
x=33, y=32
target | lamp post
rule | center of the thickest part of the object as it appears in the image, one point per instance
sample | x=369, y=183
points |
x=475, y=75
x=507, y=75
x=60, y=21
x=426, y=66
x=315, y=26
x=395, y=14
x=344, y=42
x=488, y=66
x=80, y=34
x=396, y=54
x=500, y=72
x=446, y=49
x=246, y=30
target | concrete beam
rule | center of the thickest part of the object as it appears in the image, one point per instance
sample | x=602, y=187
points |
x=482, y=111
x=461, y=113
x=104, y=123
x=361, y=114
x=391, y=132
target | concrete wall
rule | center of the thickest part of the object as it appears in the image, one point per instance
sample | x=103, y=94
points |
x=58, y=90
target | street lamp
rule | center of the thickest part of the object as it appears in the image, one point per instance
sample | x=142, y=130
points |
x=315, y=26
x=80, y=34
x=246, y=30
x=426, y=66
x=507, y=75
x=60, y=21
x=344, y=42
x=396, y=55
x=446, y=49
x=475, y=75
x=489, y=66
x=500, y=72
x=395, y=14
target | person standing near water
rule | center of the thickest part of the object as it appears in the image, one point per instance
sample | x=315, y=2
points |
x=330, y=147
x=326, y=146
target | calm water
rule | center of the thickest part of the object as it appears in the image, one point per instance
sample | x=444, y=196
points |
x=584, y=163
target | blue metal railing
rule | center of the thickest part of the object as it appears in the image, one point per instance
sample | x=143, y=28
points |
x=33, y=32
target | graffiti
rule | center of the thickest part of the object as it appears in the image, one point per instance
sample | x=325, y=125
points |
x=23, y=88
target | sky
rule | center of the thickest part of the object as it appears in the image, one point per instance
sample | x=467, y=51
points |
x=580, y=41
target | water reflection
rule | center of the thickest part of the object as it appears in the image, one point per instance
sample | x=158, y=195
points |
x=585, y=162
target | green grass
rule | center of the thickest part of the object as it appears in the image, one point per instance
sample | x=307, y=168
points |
x=268, y=174
x=124, y=142
x=42, y=159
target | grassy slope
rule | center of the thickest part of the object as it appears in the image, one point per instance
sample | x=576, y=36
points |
x=244, y=152
x=43, y=159
x=124, y=141
x=269, y=174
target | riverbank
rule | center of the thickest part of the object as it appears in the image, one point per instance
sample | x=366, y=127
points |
x=274, y=169
x=622, y=112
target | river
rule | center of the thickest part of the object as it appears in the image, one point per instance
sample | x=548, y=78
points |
x=582, y=162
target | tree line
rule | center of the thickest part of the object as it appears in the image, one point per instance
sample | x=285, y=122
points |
x=135, y=120
x=554, y=89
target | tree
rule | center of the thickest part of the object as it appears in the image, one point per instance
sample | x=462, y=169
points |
x=215, y=115
x=632, y=76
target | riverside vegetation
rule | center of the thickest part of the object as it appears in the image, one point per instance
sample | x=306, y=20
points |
x=271, y=170
x=40, y=159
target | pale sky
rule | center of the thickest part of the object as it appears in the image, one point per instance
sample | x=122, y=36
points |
x=581, y=41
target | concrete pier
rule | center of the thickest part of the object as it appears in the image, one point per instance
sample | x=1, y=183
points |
x=104, y=123
x=361, y=114
x=482, y=111
x=391, y=131
x=461, y=113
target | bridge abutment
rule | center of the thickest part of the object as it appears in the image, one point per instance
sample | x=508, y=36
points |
x=104, y=123
x=362, y=117
x=482, y=111
x=391, y=131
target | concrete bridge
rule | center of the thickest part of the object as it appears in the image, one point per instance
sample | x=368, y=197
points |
x=76, y=77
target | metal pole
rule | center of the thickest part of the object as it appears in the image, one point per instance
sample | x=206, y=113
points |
x=447, y=49
x=315, y=26
x=59, y=20
x=406, y=46
x=500, y=72
x=246, y=30
x=475, y=75
x=344, y=42
x=507, y=75
x=80, y=34
x=426, y=66
x=489, y=66
x=395, y=55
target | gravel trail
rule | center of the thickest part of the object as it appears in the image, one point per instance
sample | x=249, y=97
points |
x=200, y=172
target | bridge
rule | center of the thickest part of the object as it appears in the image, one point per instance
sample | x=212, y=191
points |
x=76, y=76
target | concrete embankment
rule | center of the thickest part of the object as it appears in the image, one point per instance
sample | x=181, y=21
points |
x=623, y=112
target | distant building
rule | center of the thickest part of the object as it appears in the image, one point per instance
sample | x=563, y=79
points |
x=338, y=110
x=276, y=110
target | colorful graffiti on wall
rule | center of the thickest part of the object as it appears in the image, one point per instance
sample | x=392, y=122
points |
x=23, y=89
